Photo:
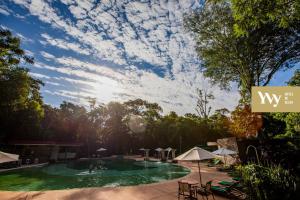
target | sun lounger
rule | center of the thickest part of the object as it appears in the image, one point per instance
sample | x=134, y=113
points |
x=214, y=163
x=237, y=178
x=229, y=183
x=230, y=192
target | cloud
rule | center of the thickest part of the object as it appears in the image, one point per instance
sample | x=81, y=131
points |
x=39, y=76
x=72, y=46
x=24, y=39
x=46, y=55
x=29, y=53
x=176, y=94
x=153, y=57
x=5, y=11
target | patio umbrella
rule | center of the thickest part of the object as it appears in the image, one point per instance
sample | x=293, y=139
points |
x=196, y=154
x=101, y=149
x=168, y=149
x=224, y=152
x=8, y=157
x=158, y=149
x=159, y=152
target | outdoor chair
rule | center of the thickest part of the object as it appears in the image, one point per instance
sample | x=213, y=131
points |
x=205, y=190
x=187, y=191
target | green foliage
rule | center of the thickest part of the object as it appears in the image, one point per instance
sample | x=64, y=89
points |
x=114, y=126
x=249, y=60
x=68, y=123
x=264, y=183
x=295, y=80
x=20, y=99
x=252, y=14
x=272, y=126
x=10, y=52
x=292, y=121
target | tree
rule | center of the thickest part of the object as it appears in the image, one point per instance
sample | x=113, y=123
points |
x=249, y=60
x=74, y=121
x=142, y=117
x=244, y=123
x=203, y=109
x=295, y=80
x=116, y=133
x=20, y=99
x=220, y=121
x=252, y=14
x=291, y=120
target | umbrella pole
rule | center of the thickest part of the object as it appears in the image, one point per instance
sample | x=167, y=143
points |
x=199, y=173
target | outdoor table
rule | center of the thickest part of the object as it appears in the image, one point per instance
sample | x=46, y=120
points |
x=191, y=184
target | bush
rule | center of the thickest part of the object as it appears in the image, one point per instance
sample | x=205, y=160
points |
x=264, y=183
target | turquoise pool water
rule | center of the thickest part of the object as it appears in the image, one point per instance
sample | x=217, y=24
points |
x=76, y=174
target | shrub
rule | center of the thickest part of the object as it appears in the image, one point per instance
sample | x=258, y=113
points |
x=264, y=183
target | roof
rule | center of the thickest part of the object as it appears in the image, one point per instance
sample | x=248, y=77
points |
x=44, y=143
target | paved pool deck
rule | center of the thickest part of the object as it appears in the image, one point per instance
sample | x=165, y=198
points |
x=166, y=190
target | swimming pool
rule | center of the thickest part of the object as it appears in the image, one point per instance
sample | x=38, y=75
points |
x=77, y=174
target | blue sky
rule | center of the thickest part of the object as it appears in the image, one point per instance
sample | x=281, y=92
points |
x=114, y=51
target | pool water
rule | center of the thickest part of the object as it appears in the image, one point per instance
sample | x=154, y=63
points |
x=76, y=174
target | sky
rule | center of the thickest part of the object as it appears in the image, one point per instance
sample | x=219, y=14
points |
x=115, y=51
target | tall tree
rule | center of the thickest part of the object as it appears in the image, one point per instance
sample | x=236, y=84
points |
x=117, y=133
x=203, y=108
x=20, y=99
x=249, y=60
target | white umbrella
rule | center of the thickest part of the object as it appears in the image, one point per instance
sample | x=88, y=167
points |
x=224, y=152
x=159, y=152
x=8, y=157
x=196, y=154
x=168, y=149
x=101, y=149
x=142, y=149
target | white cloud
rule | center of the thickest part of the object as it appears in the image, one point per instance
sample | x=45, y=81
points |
x=29, y=53
x=39, y=76
x=65, y=44
x=52, y=83
x=24, y=39
x=46, y=55
x=4, y=11
x=127, y=33
x=177, y=94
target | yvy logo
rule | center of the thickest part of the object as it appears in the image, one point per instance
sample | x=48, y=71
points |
x=275, y=99
x=271, y=98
